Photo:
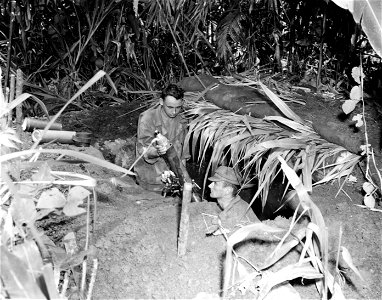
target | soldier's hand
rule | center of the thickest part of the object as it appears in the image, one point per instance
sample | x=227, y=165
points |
x=161, y=143
x=161, y=149
x=212, y=229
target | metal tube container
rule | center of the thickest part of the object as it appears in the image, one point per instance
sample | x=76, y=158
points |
x=63, y=137
x=30, y=124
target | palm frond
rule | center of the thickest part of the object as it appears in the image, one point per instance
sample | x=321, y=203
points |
x=229, y=30
x=198, y=11
x=255, y=144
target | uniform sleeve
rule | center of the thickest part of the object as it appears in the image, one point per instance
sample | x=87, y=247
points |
x=185, y=146
x=178, y=141
x=234, y=216
x=186, y=150
x=183, y=152
x=145, y=134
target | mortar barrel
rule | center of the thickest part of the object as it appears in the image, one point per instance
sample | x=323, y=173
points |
x=30, y=124
x=63, y=137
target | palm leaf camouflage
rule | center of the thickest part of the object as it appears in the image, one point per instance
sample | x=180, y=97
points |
x=251, y=145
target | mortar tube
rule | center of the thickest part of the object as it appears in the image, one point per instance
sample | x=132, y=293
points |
x=63, y=137
x=172, y=160
x=30, y=124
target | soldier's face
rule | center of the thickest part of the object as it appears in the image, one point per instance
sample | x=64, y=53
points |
x=171, y=106
x=217, y=189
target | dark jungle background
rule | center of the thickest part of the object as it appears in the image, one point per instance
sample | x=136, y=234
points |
x=144, y=45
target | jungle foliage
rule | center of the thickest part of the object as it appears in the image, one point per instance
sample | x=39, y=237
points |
x=143, y=45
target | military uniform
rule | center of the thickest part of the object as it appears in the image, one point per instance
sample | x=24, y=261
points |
x=235, y=209
x=236, y=213
x=149, y=170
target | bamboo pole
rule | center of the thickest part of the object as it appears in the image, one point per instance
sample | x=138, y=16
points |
x=323, y=27
x=19, y=91
x=184, y=219
x=13, y=8
x=11, y=97
x=3, y=120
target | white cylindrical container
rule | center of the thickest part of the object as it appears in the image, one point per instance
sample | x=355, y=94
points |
x=64, y=137
x=30, y=124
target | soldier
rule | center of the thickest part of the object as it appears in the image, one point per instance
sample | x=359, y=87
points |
x=165, y=118
x=235, y=211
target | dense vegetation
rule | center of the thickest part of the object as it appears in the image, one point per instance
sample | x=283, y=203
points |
x=84, y=54
x=143, y=45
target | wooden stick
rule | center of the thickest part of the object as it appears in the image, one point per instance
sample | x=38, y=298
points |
x=92, y=279
x=184, y=219
x=84, y=263
x=94, y=215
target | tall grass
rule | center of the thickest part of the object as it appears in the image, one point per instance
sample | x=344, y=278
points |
x=312, y=264
x=31, y=263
